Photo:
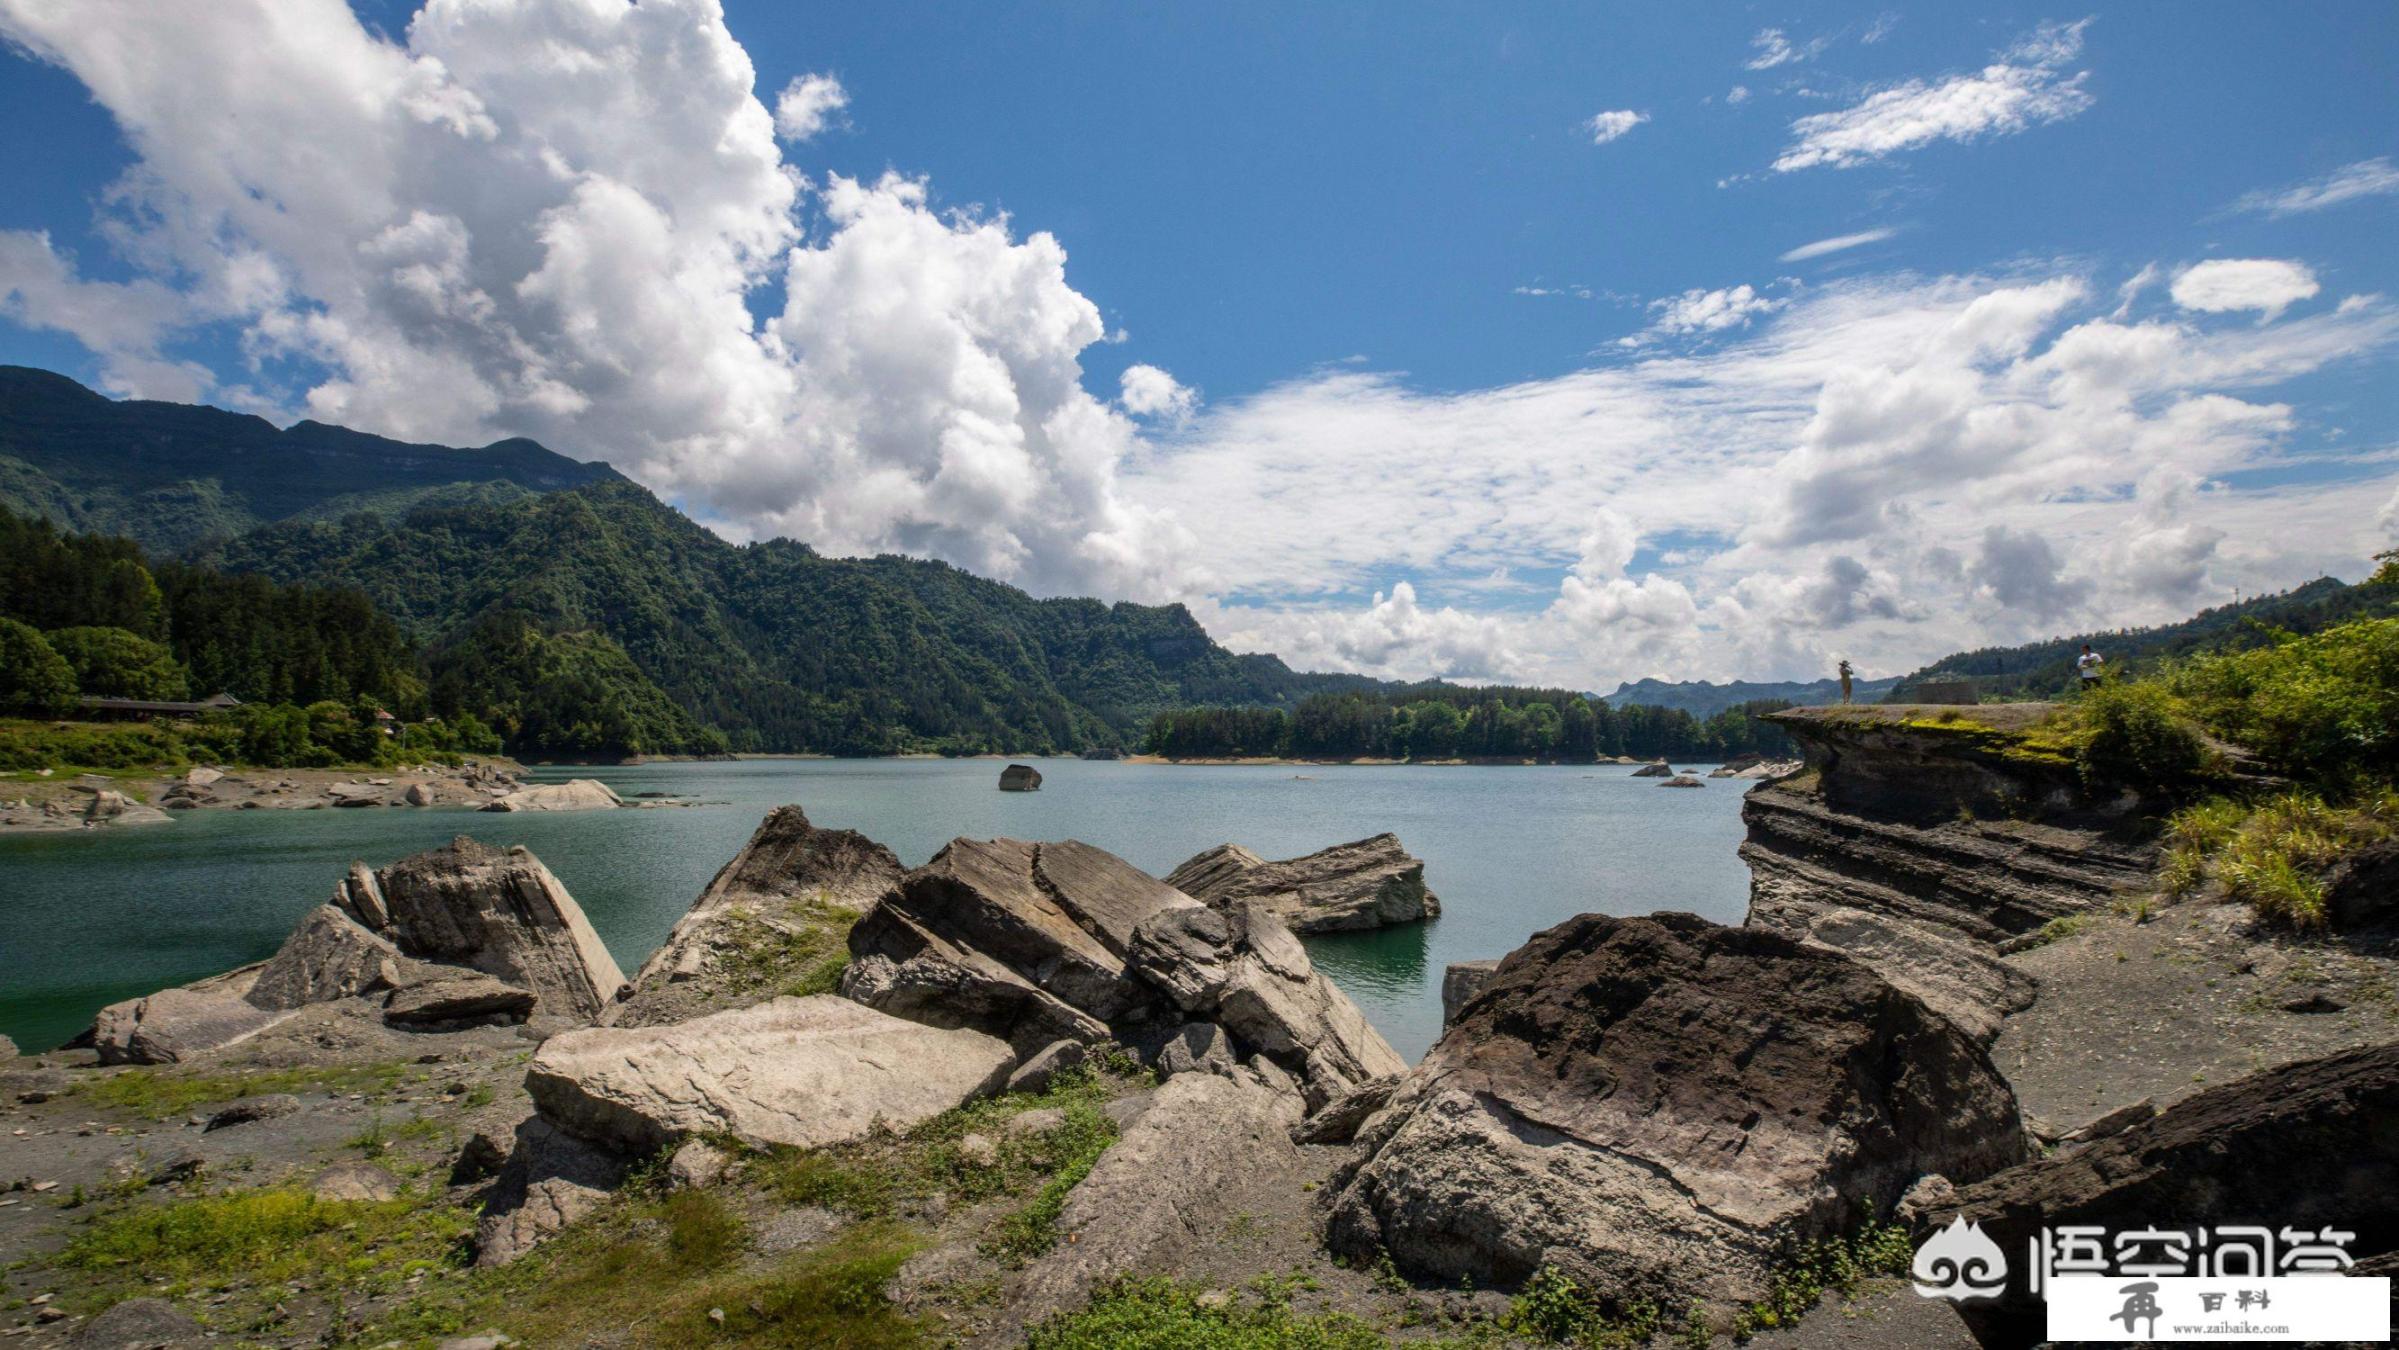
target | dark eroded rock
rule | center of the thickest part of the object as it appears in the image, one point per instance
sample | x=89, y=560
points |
x=469, y=998
x=1020, y=778
x=1367, y=884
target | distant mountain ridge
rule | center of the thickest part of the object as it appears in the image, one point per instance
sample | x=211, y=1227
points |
x=173, y=477
x=1703, y=698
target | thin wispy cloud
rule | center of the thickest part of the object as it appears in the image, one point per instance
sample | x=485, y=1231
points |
x=1773, y=47
x=1609, y=126
x=2377, y=177
x=1837, y=244
x=2027, y=86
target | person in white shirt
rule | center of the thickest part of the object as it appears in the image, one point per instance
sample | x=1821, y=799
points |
x=2087, y=666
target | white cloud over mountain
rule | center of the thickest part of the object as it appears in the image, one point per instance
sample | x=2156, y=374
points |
x=567, y=219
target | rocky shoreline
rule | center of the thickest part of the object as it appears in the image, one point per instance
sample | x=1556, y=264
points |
x=1025, y=1070
x=95, y=801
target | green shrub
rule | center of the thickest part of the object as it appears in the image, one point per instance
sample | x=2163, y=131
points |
x=2324, y=706
x=2138, y=735
x=33, y=676
x=113, y=663
x=2274, y=854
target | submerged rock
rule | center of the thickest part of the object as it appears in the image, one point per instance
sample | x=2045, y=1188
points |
x=1682, y=780
x=1701, y=1095
x=804, y=1072
x=1020, y=778
x=575, y=794
x=1655, y=769
x=1366, y=884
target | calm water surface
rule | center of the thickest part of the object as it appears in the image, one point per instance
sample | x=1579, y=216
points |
x=94, y=916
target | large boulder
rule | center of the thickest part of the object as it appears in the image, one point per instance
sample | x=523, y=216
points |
x=804, y=1072
x=1020, y=778
x=2308, y=1146
x=575, y=794
x=1366, y=884
x=173, y=1025
x=467, y=998
x=549, y=1180
x=330, y=955
x=1460, y=982
x=789, y=881
x=1241, y=969
x=111, y=807
x=502, y=913
x=1657, y=768
x=1657, y=1107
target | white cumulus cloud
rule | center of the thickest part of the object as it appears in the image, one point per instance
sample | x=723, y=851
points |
x=1706, y=311
x=808, y=105
x=1150, y=392
x=2270, y=285
x=1609, y=126
x=2026, y=87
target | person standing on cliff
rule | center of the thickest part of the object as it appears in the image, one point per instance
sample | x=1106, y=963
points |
x=1845, y=672
x=2087, y=666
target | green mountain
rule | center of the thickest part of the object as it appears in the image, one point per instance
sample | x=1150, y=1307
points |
x=2046, y=669
x=776, y=646
x=1703, y=698
x=173, y=477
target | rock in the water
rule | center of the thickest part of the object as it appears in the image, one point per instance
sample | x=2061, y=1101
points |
x=1682, y=780
x=467, y=998
x=575, y=794
x=271, y=1106
x=2306, y=1146
x=1160, y=1190
x=1460, y=982
x=550, y=1180
x=800, y=1071
x=355, y=1181
x=1200, y=1047
x=329, y=956
x=1655, y=769
x=1700, y=1095
x=111, y=807
x=1366, y=884
x=504, y=914
x=1020, y=778
x=140, y=1324
x=1242, y=969
x=786, y=875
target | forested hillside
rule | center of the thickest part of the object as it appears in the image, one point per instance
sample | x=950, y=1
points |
x=1704, y=698
x=1439, y=722
x=776, y=646
x=2046, y=669
x=172, y=476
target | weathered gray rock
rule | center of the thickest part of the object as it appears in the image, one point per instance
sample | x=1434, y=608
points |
x=575, y=794
x=1338, y=1123
x=1161, y=1189
x=200, y=776
x=790, y=876
x=329, y=956
x=1046, y=1065
x=697, y=1165
x=799, y=1071
x=8, y=1048
x=419, y=794
x=1366, y=884
x=355, y=1181
x=140, y=1324
x=1964, y=980
x=111, y=807
x=2307, y=1146
x=1682, y=780
x=1701, y=1095
x=1242, y=969
x=550, y=1180
x=1460, y=982
x=271, y=1106
x=1020, y=778
x=1200, y=1047
x=504, y=914
x=463, y=999
x=1655, y=769
x=174, y=1024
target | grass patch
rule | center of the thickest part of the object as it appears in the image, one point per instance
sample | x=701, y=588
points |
x=1070, y=1149
x=2058, y=929
x=803, y=952
x=1161, y=1314
x=2274, y=853
x=271, y=1235
x=1834, y=1265
x=160, y=1093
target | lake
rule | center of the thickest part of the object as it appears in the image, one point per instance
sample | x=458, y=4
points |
x=90, y=917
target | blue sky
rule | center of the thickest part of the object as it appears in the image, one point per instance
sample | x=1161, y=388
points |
x=1431, y=375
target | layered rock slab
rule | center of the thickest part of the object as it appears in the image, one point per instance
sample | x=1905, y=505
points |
x=1368, y=883
x=2307, y=1146
x=803, y=1072
x=1656, y=1106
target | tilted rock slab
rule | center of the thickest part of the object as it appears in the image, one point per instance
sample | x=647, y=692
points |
x=1656, y=1105
x=2308, y=1146
x=503, y=913
x=1366, y=884
x=575, y=794
x=788, y=862
x=805, y=1072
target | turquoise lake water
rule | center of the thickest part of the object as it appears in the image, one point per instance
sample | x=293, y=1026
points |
x=90, y=917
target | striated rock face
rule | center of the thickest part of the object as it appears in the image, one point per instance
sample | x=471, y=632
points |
x=1924, y=852
x=1698, y=1094
x=1037, y=943
x=804, y=1072
x=1460, y=982
x=453, y=912
x=1366, y=884
x=576, y=794
x=789, y=880
x=502, y=913
x=2309, y=1146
